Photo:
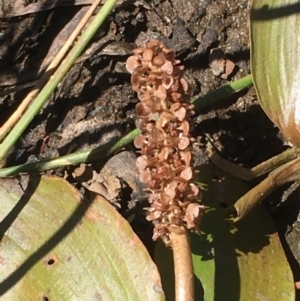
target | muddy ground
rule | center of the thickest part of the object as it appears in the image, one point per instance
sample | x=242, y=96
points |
x=95, y=103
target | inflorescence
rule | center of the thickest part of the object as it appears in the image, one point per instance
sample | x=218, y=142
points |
x=164, y=115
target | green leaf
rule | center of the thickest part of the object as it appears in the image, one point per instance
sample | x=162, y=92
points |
x=238, y=262
x=275, y=62
x=58, y=246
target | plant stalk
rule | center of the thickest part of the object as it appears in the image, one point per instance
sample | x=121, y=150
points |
x=183, y=266
x=222, y=93
x=98, y=153
x=289, y=172
x=48, y=72
x=259, y=170
x=59, y=74
x=90, y=155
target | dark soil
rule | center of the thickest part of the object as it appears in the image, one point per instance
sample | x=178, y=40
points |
x=95, y=102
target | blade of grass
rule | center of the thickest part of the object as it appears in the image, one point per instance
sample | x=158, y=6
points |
x=65, y=66
x=222, y=93
x=76, y=158
x=105, y=150
x=49, y=71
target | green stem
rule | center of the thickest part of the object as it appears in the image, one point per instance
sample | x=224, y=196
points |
x=222, y=93
x=65, y=66
x=88, y=156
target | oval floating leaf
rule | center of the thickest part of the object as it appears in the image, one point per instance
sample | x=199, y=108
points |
x=275, y=62
x=238, y=262
x=57, y=246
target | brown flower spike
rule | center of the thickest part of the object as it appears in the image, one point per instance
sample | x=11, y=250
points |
x=165, y=143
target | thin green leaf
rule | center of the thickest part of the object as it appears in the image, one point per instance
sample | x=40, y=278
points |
x=55, y=79
x=222, y=93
